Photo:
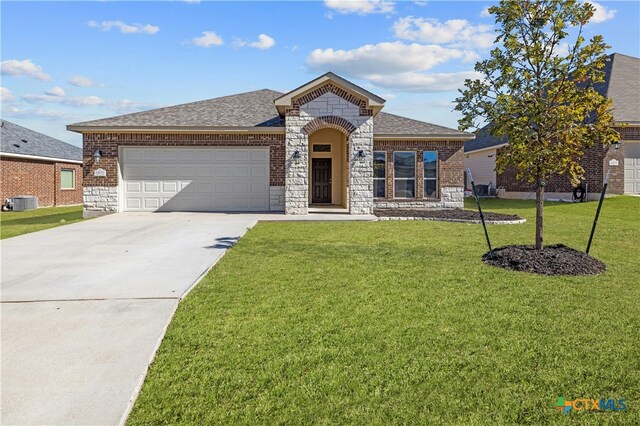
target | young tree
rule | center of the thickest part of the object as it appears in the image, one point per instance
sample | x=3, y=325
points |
x=536, y=89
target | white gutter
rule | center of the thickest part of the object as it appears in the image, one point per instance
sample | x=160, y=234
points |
x=37, y=157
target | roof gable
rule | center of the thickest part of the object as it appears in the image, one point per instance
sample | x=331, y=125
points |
x=18, y=140
x=332, y=83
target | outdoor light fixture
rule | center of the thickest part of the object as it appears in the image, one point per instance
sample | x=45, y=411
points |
x=97, y=155
x=617, y=145
x=361, y=154
x=296, y=154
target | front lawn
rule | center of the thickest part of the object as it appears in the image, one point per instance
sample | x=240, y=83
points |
x=18, y=223
x=400, y=322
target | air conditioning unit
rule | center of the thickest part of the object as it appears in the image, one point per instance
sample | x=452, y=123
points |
x=23, y=203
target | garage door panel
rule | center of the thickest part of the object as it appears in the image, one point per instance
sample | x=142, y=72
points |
x=196, y=179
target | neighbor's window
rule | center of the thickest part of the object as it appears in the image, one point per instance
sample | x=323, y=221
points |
x=379, y=173
x=430, y=164
x=404, y=174
x=67, y=179
x=322, y=148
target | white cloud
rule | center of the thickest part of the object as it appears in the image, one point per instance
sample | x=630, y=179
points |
x=41, y=113
x=6, y=95
x=484, y=13
x=423, y=82
x=18, y=68
x=264, y=42
x=384, y=58
x=81, y=81
x=125, y=28
x=454, y=32
x=601, y=13
x=360, y=7
x=208, y=39
x=388, y=96
x=421, y=3
x=81, y=101
x=56, y=91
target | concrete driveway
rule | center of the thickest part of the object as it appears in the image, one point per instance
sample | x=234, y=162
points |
x=84, y=307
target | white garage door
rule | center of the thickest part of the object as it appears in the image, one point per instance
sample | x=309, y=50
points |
x=632, y=167
x=195, y=179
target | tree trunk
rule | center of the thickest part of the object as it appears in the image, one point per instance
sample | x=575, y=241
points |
x=539, y=206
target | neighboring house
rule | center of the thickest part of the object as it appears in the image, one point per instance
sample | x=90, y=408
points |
x=622, y=86
x=325, y=143
x=38, y=165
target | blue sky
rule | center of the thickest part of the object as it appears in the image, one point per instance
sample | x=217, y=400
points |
x=65, y=62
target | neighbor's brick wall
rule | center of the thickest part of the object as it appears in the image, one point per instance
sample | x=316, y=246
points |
x=108, y=143
x=595, y=163
x=40, y=179
x=450, y=163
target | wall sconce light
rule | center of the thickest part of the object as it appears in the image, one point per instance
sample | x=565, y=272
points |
x=97, y=155
x=296, y=154
x=361, y=154
x=617, y=145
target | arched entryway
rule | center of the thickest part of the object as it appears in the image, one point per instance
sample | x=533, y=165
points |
x=328, y=168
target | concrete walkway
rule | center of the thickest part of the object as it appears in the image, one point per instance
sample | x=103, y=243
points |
x=84, y=307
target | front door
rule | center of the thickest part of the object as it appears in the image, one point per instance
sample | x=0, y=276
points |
x=321, y=180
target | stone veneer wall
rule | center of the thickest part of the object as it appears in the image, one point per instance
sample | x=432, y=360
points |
x=276, y=198
x=322, y=109
x=100, y=200
x=451, y=197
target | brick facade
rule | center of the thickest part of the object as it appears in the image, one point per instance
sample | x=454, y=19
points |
x=40, y=179
x=595, y=163
x=450, y=169
x=108, y=143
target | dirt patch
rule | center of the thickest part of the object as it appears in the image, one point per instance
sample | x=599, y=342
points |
x=448, y=214
x=552, y=260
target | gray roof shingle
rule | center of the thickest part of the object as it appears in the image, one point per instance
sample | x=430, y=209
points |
x=391, y=124
x=621, y=85
x=251, y=109
x=16, y=139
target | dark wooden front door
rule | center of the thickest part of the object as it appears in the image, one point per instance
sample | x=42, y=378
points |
x=321, y=180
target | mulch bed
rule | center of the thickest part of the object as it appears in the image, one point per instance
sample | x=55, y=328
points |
x=450, y=214
x=551, y=260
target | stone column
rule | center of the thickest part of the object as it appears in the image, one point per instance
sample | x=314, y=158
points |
x=361, y=169
x=296, y=194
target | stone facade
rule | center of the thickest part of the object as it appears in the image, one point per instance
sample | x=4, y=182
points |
x=327, y=109
x=21, y=176
x=100, y=200
x=451, y=197
x=276, y=198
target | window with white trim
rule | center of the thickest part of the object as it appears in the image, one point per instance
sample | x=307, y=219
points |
x=67, y=179
x=404, y=174
x=379, y=174
x=430, y=167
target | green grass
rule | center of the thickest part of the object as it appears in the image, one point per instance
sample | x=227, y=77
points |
x=18, y=223
x=400, y=322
